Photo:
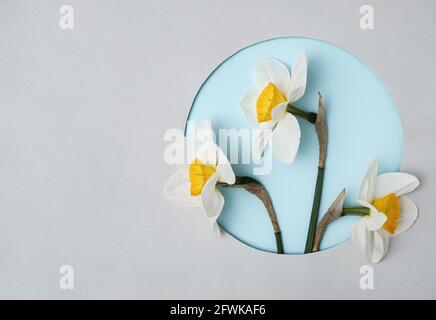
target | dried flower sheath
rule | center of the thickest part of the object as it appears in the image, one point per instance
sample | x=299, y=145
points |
x=334, y=212
x=321, y=131
x=255, y=187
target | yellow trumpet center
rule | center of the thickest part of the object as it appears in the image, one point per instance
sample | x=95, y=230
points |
x=199, y=173
x=269, y=98
x=390, y=206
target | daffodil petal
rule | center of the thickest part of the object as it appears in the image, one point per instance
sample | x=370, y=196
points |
x=214, y=226
x=279, y=111
x=205, y=136
x=177, y=189
x=367, y=187
x=409, y=214
x=224, y=168
x=204, y=129
x=286, y=139
x=248, y=106
x=395, y=182
x=212, y=199
x=187, y=148
x=297, y=85
x=372, y=244
x=201, y=145
x=376, y=219
x=361, y=237
x=271, y=70
x=380, y=245
x=207, y=153
x=261, y=139
x=365, y=204
x=267, y=125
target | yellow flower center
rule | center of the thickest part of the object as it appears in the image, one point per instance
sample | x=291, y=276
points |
x=199, y=173
x=390, y=206
x=269, y=98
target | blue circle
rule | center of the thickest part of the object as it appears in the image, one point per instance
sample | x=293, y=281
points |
x=362, y=124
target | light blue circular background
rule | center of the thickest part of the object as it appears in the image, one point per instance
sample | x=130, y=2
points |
x=362, y=122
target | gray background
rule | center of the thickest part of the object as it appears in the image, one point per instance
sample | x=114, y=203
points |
x=82, y=117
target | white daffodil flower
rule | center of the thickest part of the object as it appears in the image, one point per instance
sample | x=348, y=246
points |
x=265, y=106
x=194, y=183
x=391, y=212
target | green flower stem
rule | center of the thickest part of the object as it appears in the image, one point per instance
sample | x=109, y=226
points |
x=322, y=134
x=355, y=211
x=315, y=210
x=279, y=242
x=309, y=116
